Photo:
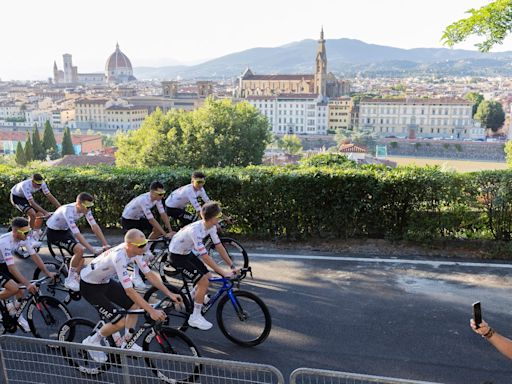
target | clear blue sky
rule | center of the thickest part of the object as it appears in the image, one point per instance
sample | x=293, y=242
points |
x=34, y=33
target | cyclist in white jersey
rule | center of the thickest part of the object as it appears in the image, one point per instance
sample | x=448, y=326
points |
x=99, y=289
x=137, y=214
x=178, y=200
x=63, y=232
x=189, y=239
x=10, y=277
x=21, y=197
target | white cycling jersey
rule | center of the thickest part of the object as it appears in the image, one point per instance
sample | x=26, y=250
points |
x=140, y=207
x=179, y=198
x=110, y=263
x=191, y=237
x=8, y=245
x=26, y=189
x=66, y=216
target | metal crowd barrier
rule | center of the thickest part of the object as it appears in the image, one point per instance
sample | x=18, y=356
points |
x=319, y=376
x=30, y=360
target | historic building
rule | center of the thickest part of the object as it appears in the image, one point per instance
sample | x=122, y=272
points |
x=320, y=83
x=118, y=69
x=340, y=112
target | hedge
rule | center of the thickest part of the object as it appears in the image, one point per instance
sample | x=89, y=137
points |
x=298, y=202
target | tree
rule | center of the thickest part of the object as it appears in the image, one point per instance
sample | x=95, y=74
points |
x=290, y=144
x=476, y=98
x=493, y=22
x=49, y=142
x=67, y=143
x=490, y=114
x=508, y=153
x=37, y=146
x=219, y=133
x=358, y=137
x=29, y=153
x=20, y=155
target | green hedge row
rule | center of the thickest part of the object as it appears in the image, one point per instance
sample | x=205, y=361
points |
x=298, y=202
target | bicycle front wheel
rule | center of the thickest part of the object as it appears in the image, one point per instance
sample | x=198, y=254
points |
x=171, y=341
x=46, y=316
x=235, y=250
x=55, y=289
x=243, y=318
x=76, y=330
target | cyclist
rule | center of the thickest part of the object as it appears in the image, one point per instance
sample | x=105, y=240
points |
x=188, y=194
x=99, y=289
x=21, y=197
x=63, y=232
x=189, y=239
x=137, y=214
x=10, y=277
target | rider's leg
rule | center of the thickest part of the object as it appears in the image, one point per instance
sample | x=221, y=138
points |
x=77, y=260
x=10, y=289
x=32, y=219
x=201, y=289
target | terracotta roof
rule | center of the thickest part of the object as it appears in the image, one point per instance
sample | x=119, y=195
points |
x=279, y=77
x=418, y=101
x=22, y=136
x=80, y=160
x=91, y=101
x=351, y=148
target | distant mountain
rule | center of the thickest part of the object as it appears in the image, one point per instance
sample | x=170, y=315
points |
x=345, y=57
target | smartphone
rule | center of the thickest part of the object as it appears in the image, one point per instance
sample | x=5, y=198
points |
x=477, y=314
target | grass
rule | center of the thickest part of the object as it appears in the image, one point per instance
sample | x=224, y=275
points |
x=456, y=165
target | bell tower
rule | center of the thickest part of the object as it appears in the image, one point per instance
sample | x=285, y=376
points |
x=321, y=66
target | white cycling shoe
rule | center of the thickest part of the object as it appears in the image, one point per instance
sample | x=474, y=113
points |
x=72, y=283
x=199, y=322
x=24, y=324
x=98, y=356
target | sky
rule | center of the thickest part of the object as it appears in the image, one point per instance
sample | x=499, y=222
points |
x=34, y=33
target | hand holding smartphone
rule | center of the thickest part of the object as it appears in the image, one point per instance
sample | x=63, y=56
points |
x=477, y=314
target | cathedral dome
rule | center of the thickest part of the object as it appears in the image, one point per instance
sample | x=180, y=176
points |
x=118, y=68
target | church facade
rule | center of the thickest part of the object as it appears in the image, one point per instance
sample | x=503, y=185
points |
x=321, y=83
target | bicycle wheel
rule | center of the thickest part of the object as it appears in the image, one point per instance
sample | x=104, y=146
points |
x=46, y=316
x=76, y=330
x=235, y=250
x=176, y=318
x=171, y=341
x=57, y=289
x=243, y=318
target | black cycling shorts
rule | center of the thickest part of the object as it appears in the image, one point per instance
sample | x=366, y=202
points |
x=189, y=265
x=6, y=275
x=20, y=203
x=107, y=298
x=181, y=215
x=62, y=239
x=142, y=224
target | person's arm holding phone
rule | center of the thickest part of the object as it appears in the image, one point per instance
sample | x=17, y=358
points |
x=501, y=343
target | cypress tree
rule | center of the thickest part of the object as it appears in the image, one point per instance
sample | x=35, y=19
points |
x=49, y=142
x=37, y=146
x=67, y=144
x=29, y=151
x=20, y=155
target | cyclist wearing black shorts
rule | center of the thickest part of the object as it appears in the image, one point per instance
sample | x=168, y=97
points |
x=21, y=197
x=189, y=239
x=137, y=214
x=98, y=288
x=10, y=277
x=177, y=201
x=63, y=232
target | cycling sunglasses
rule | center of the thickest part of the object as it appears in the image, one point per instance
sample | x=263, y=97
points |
x=24, y=233
x=140, y=245
x=87, y=204
x=219, y=215
x=38, y=182
x=159, y=193
x=199, y=181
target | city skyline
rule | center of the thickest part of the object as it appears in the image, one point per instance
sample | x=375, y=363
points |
x=169, y=34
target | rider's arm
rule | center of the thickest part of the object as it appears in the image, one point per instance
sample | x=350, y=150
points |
x=163, y=215
x=154, y=223
x=53, y=200
x=192, y=198
x=204, y=196
x=138, y=299
x=207, y=259
x=36, y=206
x=96, y=229
x=70, y=220
x=501, y=343
x=81, y=239
x=224, y=254
x=37, y=260
x=156, y=281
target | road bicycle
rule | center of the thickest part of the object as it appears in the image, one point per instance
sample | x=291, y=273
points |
x=155, y=336
x=45, y=314
x=242, y=316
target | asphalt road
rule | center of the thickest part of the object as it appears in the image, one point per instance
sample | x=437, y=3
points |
x=404, y=319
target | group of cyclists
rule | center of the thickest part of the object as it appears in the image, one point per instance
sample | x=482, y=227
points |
x=106, y=282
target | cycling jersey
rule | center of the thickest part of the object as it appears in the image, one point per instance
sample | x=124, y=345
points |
x=191, y=238
x=110, y=263
x=8, y=244
x=66, y=216
x=180, y=197
x=140, y=207
x=26, y=188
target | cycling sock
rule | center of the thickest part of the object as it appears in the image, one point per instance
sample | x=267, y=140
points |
x=72, y=271
x=197, y=309
x=96, y=338
x=127, y=334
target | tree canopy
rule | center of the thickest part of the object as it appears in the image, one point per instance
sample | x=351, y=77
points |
x=29, y=152
x=290, y=144
x=49, y=142
x=67, y=144
x=476, y=98
x=492, y=22
x=490, y=114
x=20, y=155
x=217, y=134
x=37, y=146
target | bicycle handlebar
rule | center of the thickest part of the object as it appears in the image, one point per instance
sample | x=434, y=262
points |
x=37, y=282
